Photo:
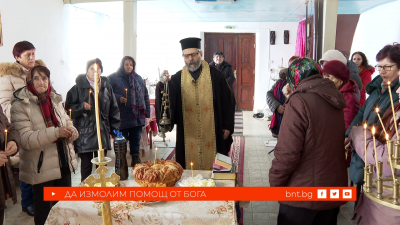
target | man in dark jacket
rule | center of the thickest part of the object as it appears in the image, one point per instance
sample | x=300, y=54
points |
x=226, y=68
x=80, y=99
x=310, y=150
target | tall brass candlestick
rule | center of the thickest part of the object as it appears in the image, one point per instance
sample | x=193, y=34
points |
x=376, y=156
x=377, y=113
x=96, y=102
x=394, y=114
x=5, y=143
x=126, y=95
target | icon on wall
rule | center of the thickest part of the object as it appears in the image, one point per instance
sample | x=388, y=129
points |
x=286, y=37
x=272, y=37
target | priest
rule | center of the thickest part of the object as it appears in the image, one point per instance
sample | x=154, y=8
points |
x=201, y=105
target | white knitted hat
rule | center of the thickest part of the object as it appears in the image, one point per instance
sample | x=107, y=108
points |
x=333, y=55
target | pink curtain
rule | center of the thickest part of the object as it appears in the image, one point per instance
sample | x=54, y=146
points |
x=301, y=39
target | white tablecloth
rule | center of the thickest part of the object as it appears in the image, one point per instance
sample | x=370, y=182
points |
x=129, y=212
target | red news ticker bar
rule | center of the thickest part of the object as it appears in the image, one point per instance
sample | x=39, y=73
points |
x=200, y=193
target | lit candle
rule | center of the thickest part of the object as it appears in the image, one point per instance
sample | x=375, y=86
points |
x=90, y=93
x=96, y=102
x=394, y=114
x=126, y=95
x=376, y=156
x=390, y=157
x=365, y=143
x=5, y=143
x=70, y=114
x=377, y=113
x=155, y=156
x=191, y=165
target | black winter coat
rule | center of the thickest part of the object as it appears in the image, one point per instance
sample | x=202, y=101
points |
x=85, y=121
x=226, y=69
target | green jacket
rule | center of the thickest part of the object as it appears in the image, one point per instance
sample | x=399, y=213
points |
x=376, y=99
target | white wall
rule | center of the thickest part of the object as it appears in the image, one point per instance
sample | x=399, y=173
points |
x=44, y=24
x=377, y=28
x=159, y=47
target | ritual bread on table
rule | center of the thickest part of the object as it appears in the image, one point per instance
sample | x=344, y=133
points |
x=165, y=173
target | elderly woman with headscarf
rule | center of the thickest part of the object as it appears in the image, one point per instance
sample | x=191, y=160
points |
x=46, y=151
x=133, y=102
x=80, y=100
x=310, y=149
x=13, y=77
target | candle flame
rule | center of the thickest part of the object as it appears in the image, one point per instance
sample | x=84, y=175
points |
x=191, y=163
x=95, y=67
x=156, y=148
x=365, y=125
x=70, y=110
x=6, y=130
x=388, y=82
x=373, y=130
x=387, y=137
x=90, y=91
x=377, y=109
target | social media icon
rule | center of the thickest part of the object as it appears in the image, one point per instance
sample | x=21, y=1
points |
x=321, y=193
x=347, y=193
x=334, y=193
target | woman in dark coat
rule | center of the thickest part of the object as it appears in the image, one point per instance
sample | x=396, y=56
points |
x=133, y=102
x=13, y=141
x=84, y=117
x=310, y=150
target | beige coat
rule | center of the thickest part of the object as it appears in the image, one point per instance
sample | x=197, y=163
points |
x=12, y=77
x=28, y=120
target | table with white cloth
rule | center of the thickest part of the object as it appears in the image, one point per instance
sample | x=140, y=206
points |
x=132, y=212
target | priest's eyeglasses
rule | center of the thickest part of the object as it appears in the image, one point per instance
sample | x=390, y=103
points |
x=385, y=68
x=188, y=55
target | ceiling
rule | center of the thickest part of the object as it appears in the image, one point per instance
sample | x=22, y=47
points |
x=241, y=11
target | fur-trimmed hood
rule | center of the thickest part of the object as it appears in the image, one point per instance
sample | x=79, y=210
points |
x=24, y=95
x=9, y=68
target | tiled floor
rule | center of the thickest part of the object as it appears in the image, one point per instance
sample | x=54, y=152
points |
x=257, y=163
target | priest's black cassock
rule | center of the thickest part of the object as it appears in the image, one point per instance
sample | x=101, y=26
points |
x=224, y=110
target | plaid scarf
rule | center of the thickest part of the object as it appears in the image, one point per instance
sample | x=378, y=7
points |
x=45, y=105
x=136, y=90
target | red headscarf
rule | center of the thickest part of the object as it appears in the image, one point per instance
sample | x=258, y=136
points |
x=46, y=107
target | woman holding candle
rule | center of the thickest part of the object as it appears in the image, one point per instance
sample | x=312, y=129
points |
x=133, y=102
x=10, y=140
x=13, y=77
x=378, y=89
x=366, y=72
x=84, y=115
x=46, y=151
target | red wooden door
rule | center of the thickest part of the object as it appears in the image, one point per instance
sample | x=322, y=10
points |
x=239, y=52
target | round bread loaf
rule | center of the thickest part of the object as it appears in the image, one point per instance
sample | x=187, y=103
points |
x=165, y=173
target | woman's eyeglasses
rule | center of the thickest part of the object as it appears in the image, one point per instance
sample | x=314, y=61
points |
x=385, y=68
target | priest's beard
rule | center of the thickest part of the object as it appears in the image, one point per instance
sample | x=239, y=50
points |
x=193, y=65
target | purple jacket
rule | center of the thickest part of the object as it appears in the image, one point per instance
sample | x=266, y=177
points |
x=357, y=140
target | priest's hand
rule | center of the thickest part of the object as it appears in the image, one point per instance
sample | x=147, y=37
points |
x=86, y=106
x=11, y=148
x=122, y=100
x=3, y=158
x=226, y=134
